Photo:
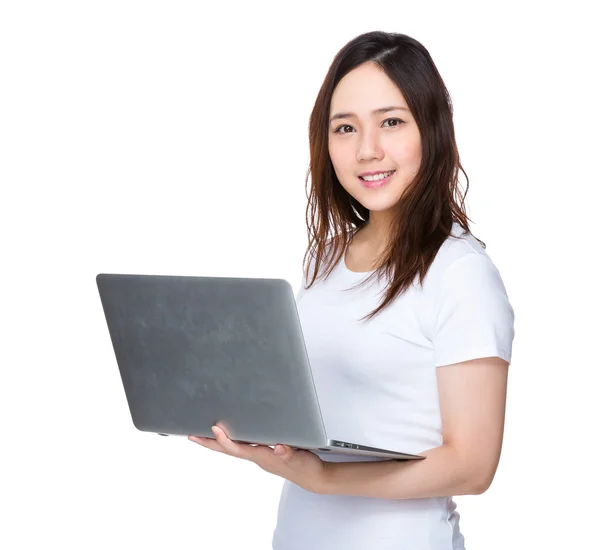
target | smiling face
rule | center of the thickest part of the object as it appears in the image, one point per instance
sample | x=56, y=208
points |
x=369, y=133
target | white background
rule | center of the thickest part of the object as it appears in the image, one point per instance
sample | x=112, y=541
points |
x=171, y=138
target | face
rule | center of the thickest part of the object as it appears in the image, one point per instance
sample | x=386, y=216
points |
x=364, y=140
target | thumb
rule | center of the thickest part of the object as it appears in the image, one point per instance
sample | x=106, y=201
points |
x=283, y=451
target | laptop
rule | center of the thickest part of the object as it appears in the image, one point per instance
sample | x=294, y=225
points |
x=194, y=351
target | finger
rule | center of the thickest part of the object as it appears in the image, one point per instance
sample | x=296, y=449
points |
x=230, y=447
x=285, y=452
x=243, y=445
x=279, y=450
x=207, y=442
x=247, y=451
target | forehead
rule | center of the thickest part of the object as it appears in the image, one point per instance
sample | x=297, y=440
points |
x=363, y=89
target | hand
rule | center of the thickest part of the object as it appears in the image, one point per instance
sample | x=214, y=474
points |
x=301, y=467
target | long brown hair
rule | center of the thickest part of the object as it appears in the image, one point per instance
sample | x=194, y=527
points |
x=428, y=207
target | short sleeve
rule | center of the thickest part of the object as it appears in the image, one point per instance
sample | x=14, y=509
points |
x=474, y=317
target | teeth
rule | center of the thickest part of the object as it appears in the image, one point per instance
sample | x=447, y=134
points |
x=377, y=177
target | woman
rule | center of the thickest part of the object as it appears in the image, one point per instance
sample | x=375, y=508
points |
x=407, y=323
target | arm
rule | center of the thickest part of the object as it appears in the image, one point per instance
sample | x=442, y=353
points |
x=472, y=405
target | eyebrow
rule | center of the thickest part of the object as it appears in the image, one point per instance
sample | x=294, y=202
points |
x=379, y=111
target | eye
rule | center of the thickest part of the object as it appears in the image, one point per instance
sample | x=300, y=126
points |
x=337, y=130
x=397, y=120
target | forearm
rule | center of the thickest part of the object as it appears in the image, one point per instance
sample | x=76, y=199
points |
x=443, y=473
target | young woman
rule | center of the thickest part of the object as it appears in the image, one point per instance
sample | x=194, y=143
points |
x=407, y=323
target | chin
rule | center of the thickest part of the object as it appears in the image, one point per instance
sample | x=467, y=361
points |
x=377, y=204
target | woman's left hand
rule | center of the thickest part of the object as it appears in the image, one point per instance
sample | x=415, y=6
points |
x=301, y=467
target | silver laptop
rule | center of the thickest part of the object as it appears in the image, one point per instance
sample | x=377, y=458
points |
x=194, y=351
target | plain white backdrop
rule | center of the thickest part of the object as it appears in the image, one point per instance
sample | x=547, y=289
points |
x=172, y=138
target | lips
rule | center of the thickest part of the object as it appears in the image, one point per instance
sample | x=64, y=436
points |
x=377, y=183
x=375, y=173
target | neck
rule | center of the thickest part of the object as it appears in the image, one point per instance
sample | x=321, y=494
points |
x=378, y=228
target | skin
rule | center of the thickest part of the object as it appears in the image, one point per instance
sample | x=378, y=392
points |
x=367, y=141
x=472, y=393
x=303, y=468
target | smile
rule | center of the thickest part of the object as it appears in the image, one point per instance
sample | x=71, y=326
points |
x=376, y=181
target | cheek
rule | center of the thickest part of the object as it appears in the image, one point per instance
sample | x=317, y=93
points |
x=334, y=155
x=341, y=156
x=407, y=155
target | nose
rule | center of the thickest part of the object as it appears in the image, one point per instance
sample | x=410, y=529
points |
x=369, y=147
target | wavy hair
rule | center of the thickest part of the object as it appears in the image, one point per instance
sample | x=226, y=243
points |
x=432, y=201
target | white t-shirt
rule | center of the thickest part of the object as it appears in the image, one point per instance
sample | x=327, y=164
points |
x=376, y=384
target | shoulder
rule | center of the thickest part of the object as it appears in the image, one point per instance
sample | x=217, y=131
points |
x=462, y=267
x=472, y=316
x=328, y=250
x=459, y=245
x=461, y=252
